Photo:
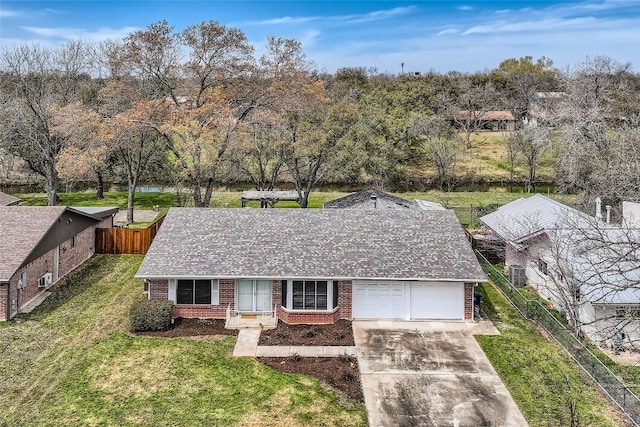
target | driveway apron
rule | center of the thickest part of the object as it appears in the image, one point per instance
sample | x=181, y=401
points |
x=429, y=374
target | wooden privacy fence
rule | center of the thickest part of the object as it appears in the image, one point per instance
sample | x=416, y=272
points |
x=126, y=240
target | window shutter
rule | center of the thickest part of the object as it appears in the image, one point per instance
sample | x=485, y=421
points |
x=172, y=290
x=215, y=292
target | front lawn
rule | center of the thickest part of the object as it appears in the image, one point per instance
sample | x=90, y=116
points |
x=544, y=381
x=73, y=362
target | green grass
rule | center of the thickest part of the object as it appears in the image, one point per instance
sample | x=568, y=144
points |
x=72, y=362
x=542, y=379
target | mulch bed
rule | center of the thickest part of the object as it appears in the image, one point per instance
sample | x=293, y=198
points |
x=339, y=333
x=341, y=373
x=193, y=327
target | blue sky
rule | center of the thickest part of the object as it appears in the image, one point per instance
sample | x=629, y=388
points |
x=456, y=35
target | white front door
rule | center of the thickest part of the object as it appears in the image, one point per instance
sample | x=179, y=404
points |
x=254, y=295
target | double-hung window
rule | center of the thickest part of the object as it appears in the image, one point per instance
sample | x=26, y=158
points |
x=309, y=295
x=197, y=291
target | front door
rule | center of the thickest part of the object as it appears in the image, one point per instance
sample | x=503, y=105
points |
x=254, y=295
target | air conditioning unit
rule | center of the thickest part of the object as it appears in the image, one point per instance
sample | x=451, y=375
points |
x=45, y=280
x=517, y=276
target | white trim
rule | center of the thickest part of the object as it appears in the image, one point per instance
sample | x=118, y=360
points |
x=333, y=278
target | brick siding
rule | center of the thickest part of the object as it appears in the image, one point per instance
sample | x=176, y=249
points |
x=309, y=317
x=468, y=301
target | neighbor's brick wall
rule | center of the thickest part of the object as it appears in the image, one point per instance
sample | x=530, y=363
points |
x=344, y=299
x=106, y=223
x=4, y=302
x=468, y=301
x=84, y=248
x=35, y=270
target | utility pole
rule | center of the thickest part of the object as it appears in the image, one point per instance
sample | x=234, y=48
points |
x=402, y=68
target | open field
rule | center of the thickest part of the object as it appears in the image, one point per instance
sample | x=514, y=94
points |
x=543, y=380
x=72, y=362
x=465, y=204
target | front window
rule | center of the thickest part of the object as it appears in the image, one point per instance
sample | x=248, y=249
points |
x=543, y=267
x=309, y=294
x=196, y=291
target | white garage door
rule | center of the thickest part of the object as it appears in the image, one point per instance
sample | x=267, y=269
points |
x=378, y=301
x=437, y=300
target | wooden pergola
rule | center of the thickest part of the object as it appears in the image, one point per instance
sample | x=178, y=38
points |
x=268, y=199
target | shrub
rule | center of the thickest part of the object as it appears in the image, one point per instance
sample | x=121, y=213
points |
x=150, y=315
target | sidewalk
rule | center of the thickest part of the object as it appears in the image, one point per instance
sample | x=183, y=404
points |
x=247, y=345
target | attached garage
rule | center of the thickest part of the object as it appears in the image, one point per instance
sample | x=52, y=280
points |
x=408, y=300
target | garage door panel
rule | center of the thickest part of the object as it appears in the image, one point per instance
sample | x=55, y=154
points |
x=437, y=301
x=378, y=301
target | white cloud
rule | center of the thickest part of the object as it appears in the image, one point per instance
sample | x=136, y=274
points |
x=308, y=38
x=448, y=31
x=5, y=13
x=537, y=26
x=355, y=18
x=68, y=33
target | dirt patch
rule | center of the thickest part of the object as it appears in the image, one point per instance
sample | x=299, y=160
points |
x=339, y=372
x=338, y=333
x=193, y=327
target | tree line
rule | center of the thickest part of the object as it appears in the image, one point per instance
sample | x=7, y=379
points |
x=198, y=107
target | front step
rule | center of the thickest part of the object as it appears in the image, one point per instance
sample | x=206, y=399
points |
x=251, y=321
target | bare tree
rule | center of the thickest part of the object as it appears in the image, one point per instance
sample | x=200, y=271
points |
x=39, y=82
x=530, y=143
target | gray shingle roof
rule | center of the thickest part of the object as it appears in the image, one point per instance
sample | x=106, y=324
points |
x=21, y=229
x=526, y=217
x=312, y=243
x=8, y=199
x=362, y=200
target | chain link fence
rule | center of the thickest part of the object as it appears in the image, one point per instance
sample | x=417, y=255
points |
x=615, y=388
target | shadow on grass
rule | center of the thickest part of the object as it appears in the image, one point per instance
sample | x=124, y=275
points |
x=74, y=284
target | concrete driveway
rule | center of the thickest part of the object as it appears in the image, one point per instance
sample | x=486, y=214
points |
x=429, y=374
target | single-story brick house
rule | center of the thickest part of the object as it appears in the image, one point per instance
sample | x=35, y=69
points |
x=41, y=244
x=8, y=199
x=313, y=265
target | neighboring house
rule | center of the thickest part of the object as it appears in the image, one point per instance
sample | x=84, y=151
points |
x=376, y=199
x=491, y=120
x=313, y=265
x=8, y=199
x=567, y=256
x=544, y=108
x=41, y=244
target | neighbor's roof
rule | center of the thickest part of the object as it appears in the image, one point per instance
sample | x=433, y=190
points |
x=311, y=243
x=100, y=212
x=21, y=229
x=487, y=115
x=8, y=199
x=362, y=200
x=526, y=217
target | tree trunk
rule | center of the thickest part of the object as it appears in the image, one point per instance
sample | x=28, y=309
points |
x=51, y=176
x=100, y=186
x=133, y=182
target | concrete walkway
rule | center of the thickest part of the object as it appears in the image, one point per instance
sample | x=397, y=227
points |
x=28, y=308
x=247, y=345
x=305, y=351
